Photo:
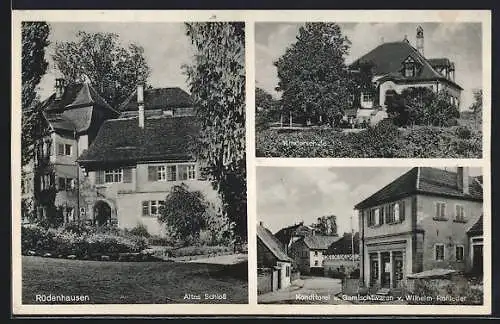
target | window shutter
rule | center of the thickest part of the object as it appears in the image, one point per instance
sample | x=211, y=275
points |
x=127, y=175
x=402, y=210
x=145, y=208
x=152, y=176
x=60, y=149
x=381, y=215
x=99, y=177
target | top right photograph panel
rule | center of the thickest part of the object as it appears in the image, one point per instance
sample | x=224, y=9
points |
x=369, y=90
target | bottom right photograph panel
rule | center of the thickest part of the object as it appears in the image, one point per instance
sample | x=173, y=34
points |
x=370, y=235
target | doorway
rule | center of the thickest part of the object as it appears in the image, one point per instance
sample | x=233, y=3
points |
x=477, y=259
x=102, y=213
x=386, y=270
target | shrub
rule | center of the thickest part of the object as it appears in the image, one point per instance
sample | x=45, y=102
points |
x=140, y=230
x=463, y=132
x=78, y=227
x=63, y=242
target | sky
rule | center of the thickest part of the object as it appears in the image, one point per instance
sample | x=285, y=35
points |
x=460, y=42
x=289, y=195
x=166, y=48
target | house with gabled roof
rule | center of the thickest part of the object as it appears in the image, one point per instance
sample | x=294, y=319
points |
x=73, y=115
x=309, y=252
x=424, y=220
x=396, y=66
x=137, y=158
x=270, y=255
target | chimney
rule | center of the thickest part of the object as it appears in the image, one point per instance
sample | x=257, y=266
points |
x=140, y=104
x=463, y=179
x=420, y=40
x=59, y=88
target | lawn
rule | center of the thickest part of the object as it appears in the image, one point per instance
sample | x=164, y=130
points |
x=133, y=282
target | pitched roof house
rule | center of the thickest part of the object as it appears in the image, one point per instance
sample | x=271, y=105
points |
x=309, y=252
x=399, y=65
x=420, y=222
x=136, y=159
x=74, y=114
x=270, y=255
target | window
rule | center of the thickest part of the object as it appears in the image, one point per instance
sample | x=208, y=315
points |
x=409, y=70
x=366, y=97
x=377, y=216
x=459, y=252
x=111, y=176
x=316, y=263
x=439, y=252
x=440, y=211
x=187, y=172
x=171, y=173
x=315, y=253
x=65, y=184
x=396, y=213
x=288, y=271
x=161, y=173
x=152, y=208
x=459, y=213
x=63, y=149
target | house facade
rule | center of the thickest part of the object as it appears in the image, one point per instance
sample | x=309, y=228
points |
x=137, y=158
x=309, y=252
x=290, y=234
x=421, y=221
x=72, y=115
x=397, y=66
x=273, y=259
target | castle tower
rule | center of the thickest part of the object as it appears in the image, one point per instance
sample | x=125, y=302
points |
x=420, y=40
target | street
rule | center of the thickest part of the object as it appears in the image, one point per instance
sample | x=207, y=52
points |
x=307, y=290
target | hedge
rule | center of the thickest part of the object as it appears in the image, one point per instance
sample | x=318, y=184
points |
x=382, y=141
x=63, y=242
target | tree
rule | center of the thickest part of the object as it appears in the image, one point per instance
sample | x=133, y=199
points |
x=34, y=129
x=312, y=73
x=477, y=106
x=267, y=109
x=441, y=112
x=112, y=69
x=34, y=40
x=217, y=82
x=184, y=213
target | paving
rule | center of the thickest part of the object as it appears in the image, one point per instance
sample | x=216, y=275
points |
x=307, y=290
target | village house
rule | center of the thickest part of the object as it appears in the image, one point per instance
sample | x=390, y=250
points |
x=73, y=115
x=426, y=219
x=137, y=158
x=273, y=264
x=309, y=252
x=290, y=234
x=397, y=66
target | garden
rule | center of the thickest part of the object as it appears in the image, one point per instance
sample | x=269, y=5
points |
x=384, y=140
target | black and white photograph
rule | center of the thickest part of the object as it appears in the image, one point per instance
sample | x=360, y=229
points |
x=370, y=235
x=369, y=90
x=133, y=163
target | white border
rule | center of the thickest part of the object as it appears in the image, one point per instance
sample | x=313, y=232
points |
x=250, y=17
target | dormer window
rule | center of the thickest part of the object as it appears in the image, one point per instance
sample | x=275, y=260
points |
x=409, y=67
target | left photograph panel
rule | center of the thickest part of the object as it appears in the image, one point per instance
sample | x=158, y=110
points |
x=133, y=163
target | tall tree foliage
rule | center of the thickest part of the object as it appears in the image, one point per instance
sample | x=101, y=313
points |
x=477, y=106
x=217, y=82
x=112, y=69
x=312, y=73
x=34, y=41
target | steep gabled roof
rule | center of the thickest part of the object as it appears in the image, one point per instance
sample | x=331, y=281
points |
x=79, y=105
x=425, y=181
x=161, y=139
x=345, y=245
x=272, y=243
x=387, y=59
x=159, y=98
x=320, y=242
